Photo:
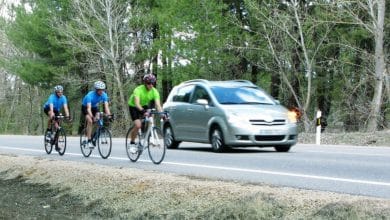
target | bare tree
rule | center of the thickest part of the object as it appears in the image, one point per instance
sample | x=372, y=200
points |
x=100, y=28
x=284, y=30
x=374, y=24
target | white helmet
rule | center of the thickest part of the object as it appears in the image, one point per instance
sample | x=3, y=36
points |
x=58, y=88
x=100, y=85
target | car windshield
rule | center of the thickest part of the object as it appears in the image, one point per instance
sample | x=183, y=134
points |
x=241, y=95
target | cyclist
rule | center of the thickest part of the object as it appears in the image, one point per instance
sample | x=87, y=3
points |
x=144, y=97
x=53, y=106
x=90, y=106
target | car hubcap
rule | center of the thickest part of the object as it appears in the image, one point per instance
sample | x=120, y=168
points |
x=168, y=137
x=216, y=140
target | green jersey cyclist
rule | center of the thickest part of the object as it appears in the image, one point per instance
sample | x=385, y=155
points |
x=143, y=97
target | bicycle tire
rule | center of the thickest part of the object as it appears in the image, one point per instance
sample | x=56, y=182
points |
x=47, y=144
x=83, y=140
x=61, y=141
x=132, y=156
x=156, y=146
x=104, y=142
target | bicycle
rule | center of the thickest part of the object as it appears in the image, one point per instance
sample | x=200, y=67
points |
x=56, y=136
x=149, y=136
x=101, y=137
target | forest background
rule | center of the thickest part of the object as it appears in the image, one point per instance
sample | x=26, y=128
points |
x=330, y=55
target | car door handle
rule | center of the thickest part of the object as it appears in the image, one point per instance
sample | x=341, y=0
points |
x=190, y=109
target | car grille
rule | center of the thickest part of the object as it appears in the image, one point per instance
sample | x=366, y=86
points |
x=269, y=137
x=263, y=122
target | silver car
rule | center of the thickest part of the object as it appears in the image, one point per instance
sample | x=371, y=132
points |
x=233, y=113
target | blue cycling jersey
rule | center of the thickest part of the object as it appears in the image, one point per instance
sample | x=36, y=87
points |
x=58, y=102
x=94, y=99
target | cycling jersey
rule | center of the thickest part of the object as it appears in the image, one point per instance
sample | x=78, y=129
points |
x=95, y=99
x=58, y=102
x=145, y=96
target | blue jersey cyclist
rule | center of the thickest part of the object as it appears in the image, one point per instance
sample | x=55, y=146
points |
x=90, y=106
x=142, y=98
x=54, y=104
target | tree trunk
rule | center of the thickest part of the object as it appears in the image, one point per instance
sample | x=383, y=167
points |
x=376, y=102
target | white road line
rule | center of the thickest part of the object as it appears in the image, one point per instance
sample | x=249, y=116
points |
x=367, y=182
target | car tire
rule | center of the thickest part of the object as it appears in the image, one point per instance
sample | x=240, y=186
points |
x=169, y=138
x=216, y=140
x=282, y=148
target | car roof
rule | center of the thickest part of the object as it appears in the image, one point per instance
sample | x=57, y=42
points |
x=227, y=83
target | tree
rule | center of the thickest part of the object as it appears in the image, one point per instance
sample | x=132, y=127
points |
x=100, y=28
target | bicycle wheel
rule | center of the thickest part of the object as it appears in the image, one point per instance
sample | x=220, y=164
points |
x=156, y=146
x=61, y=141
x=85, y=150
x=46, y=142
x=104, y=142
x=133, y=156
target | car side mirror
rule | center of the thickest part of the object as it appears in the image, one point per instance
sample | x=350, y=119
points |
x=202, y=101
x=277, y=102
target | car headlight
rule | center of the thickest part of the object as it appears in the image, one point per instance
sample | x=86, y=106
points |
x=292, y=116
x=237, y=120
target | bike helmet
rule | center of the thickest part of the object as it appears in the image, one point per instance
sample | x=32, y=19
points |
x=149, y=78
x=100, y=85
x=58, y=88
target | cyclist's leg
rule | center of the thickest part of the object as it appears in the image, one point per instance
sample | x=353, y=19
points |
x=136, y=116
x=50, y=114
x=55, y=113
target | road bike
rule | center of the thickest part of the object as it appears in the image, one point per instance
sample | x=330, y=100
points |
x=100, y=137
x=149, y=136
x=55, y=136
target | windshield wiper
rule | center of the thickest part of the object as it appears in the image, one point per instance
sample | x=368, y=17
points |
x=256, y=103
x=229, y=103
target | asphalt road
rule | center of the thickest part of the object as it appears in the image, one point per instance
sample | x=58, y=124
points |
x=346, y=169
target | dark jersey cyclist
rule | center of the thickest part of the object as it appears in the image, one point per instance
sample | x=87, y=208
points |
x=142, y=98
x=90, y=105
x=54, y=104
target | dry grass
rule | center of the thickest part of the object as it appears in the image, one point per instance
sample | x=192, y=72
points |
x=122, y=192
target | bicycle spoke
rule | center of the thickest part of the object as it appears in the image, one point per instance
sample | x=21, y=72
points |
x=61, y=141
x=104, y=143
x=156, y=146
x=133, y=154
x=47, y=144
x=86, y=151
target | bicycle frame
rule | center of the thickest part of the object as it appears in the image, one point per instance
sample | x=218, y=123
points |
x=57, y=130
x=101, y=138
x=150, y=139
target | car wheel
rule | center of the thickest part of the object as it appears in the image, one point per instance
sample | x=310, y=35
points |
x=282, y=148
x=169, y=139
x=217, y=142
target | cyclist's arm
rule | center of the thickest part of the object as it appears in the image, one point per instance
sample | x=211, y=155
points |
x=66, y=110
x=51, y=110
x=107, y=108
x=89, y=110
x=158, y=105
x=137, y=103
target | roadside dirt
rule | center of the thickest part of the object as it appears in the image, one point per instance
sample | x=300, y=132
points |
x=39, y=188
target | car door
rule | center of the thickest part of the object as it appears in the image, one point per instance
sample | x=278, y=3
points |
x=199, y=115
x=179, y=114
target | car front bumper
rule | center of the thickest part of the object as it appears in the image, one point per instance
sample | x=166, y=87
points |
x=262, y=135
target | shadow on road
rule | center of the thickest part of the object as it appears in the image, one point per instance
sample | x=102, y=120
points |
x=228, y=150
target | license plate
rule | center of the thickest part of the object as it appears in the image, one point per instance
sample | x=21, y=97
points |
x=272, y=132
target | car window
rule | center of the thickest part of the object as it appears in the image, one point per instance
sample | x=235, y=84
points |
x=200, y=93
x=183, y=94
x=241, y=95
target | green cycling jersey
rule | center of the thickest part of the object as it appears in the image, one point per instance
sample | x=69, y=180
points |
x=145, y=96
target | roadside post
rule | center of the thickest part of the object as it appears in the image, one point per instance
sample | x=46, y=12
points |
x=318, y=127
